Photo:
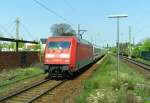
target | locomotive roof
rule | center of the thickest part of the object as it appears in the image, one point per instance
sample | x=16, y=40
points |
x=78, y=39
x=84, y=41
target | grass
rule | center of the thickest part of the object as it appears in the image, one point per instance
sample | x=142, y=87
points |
x=16, y=75
x=102, y=87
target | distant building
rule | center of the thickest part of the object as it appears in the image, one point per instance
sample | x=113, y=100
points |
x=29, y=46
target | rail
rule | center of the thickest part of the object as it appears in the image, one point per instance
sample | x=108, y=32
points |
x=138, y=63
x=27, y=92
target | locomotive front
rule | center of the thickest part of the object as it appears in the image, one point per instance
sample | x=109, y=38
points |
x=57, y=56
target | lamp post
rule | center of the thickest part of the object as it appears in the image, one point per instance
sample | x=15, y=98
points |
x=130, y=52
x=117, y=17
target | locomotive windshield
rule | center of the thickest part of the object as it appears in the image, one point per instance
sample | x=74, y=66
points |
x=59, y=45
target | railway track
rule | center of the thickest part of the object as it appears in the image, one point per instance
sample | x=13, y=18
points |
x=143, y=65
x=32, y=93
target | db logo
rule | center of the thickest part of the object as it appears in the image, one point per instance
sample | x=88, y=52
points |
x=57, y=55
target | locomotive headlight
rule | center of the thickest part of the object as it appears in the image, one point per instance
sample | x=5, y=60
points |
x=50, y=55
x=64, y=55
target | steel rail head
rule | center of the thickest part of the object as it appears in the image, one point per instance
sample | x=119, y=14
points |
x=138, y=63
x=23, y=90
x=45, y=92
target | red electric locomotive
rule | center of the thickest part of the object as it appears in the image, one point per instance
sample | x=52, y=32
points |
x=66, y=55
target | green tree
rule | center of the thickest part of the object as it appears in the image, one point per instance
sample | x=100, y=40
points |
x=21, y=45
x=146, y=45
x=62, y=30
x=124, y=47
x=136, y=51
x=37, y=46
x=12, y=45
x=113, y=49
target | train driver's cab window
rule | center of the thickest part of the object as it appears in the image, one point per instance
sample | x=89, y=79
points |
x=59, y=45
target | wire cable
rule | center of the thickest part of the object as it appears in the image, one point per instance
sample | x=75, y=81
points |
x=5, y=30
x=27, y=31
x=12, y=31
x=53, y=12
x=69, y=5
x=9, y=26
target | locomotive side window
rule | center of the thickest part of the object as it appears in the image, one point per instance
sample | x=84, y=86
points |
x=59, y=45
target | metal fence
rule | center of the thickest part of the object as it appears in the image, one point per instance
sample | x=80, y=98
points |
x=18, y=59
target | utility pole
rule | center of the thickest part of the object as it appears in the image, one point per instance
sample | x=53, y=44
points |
x=79, y=31
x=133, y=41
x=17, y=33
x=92, y=40
x=62, y=30
x=118, y=33
x=17, y=28
x=130, y=42
x=107, y=46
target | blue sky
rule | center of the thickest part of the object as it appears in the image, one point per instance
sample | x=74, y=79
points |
x=91, y=14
